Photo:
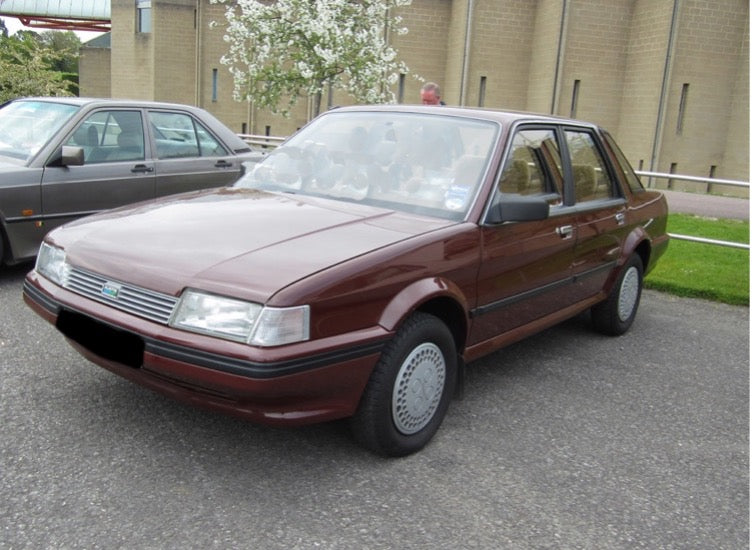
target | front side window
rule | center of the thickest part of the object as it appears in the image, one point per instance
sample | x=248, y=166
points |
x=591, y=179
x=533, y=166
x=178, y=135
x=110, y=136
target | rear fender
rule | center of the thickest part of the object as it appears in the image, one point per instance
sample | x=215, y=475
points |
x=637, y=241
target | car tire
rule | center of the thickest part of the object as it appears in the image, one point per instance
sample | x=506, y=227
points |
x=615, y=315
x=409, y=390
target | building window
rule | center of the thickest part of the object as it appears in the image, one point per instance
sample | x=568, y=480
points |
x=682, y=109
x=673, y=170
x=401, y=87
x=575, y=97
x=482, y=90
x=214, y=84
x=143, y=16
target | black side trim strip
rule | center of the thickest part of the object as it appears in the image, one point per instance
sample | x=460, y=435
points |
x=505, y=302
x=41, y=298
x=510, y=300
x=594, y=271
x=44, y=217
x=251, y=369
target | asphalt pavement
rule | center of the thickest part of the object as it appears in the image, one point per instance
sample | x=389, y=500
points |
x=715, y=206
x=568, y=439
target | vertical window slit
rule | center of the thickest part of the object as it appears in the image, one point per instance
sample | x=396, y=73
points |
x=673, y=169
x=575, y=97
x=143, y=16
x=682, y=109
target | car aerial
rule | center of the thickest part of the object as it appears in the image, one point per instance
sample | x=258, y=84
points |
x=66, y=157
x=356, y=269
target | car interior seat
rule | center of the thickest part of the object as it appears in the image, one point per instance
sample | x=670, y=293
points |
x=584, y=182
x=515, y=178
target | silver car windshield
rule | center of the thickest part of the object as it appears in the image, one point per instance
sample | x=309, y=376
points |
x=25, y=126
x=430, y=164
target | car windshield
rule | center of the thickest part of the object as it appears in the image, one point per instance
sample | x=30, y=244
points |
x=25, y=126
x=429, y=164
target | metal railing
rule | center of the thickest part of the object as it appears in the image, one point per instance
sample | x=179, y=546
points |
x=708, y=181
x=713, y=181
x=262, y=141
x=702, y=240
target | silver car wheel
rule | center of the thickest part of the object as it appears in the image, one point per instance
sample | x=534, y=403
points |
x=629, y=293
x=418, y=388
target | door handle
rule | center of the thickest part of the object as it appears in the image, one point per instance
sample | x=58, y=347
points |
x=143, y=168
x=565, y=231
x=620, y=217
x=223, y=164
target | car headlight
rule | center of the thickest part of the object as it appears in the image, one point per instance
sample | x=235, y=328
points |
x=52, y=264
x=239, y=320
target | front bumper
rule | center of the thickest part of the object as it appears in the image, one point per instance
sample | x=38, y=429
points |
x=290, y=385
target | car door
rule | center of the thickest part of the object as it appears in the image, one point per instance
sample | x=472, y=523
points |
x=600, y=222
x=525, y=271
x=188, y=155
x=117, y=167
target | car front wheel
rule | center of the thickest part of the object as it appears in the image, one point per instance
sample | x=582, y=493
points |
x=615, y=315
x=410, y=389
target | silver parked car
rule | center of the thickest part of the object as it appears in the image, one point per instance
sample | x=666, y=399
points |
x=63, y=158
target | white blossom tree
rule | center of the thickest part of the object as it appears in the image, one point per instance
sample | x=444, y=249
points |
x=283, y=50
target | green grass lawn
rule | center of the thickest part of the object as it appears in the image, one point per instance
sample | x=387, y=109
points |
x=704, y=270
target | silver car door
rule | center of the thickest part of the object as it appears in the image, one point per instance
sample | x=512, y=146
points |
x=117, y=168
x=189, y=157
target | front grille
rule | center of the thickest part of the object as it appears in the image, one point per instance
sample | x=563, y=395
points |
x=131, y=299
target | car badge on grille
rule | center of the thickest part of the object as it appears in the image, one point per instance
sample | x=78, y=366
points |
x=110, y=290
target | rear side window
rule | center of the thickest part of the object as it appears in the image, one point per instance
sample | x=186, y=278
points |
x=591, y=178
x=633, y=180
x=178, y=135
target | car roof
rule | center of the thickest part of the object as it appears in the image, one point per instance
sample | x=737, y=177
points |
x=86, y=101
x=504, y=117
x=229, y=136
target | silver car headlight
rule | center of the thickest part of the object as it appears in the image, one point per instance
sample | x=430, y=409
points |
x=51, y=263
x=239, y=320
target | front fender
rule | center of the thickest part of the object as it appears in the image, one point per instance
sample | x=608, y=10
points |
x=420, y=292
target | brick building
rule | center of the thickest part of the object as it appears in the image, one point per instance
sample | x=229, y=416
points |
x=669, y=78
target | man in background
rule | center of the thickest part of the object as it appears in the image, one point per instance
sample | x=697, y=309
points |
x=430, y=94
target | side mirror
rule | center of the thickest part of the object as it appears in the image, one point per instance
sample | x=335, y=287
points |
x=67, y=155
x=510, y=207
x=72, y=156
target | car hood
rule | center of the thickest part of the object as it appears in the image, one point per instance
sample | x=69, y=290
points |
x=8, y=163
x=12, y=168
x=239, y=242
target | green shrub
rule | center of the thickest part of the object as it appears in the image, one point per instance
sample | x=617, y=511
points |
x=704, y=270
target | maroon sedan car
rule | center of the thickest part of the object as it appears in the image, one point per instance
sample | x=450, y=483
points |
x=357, y=268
